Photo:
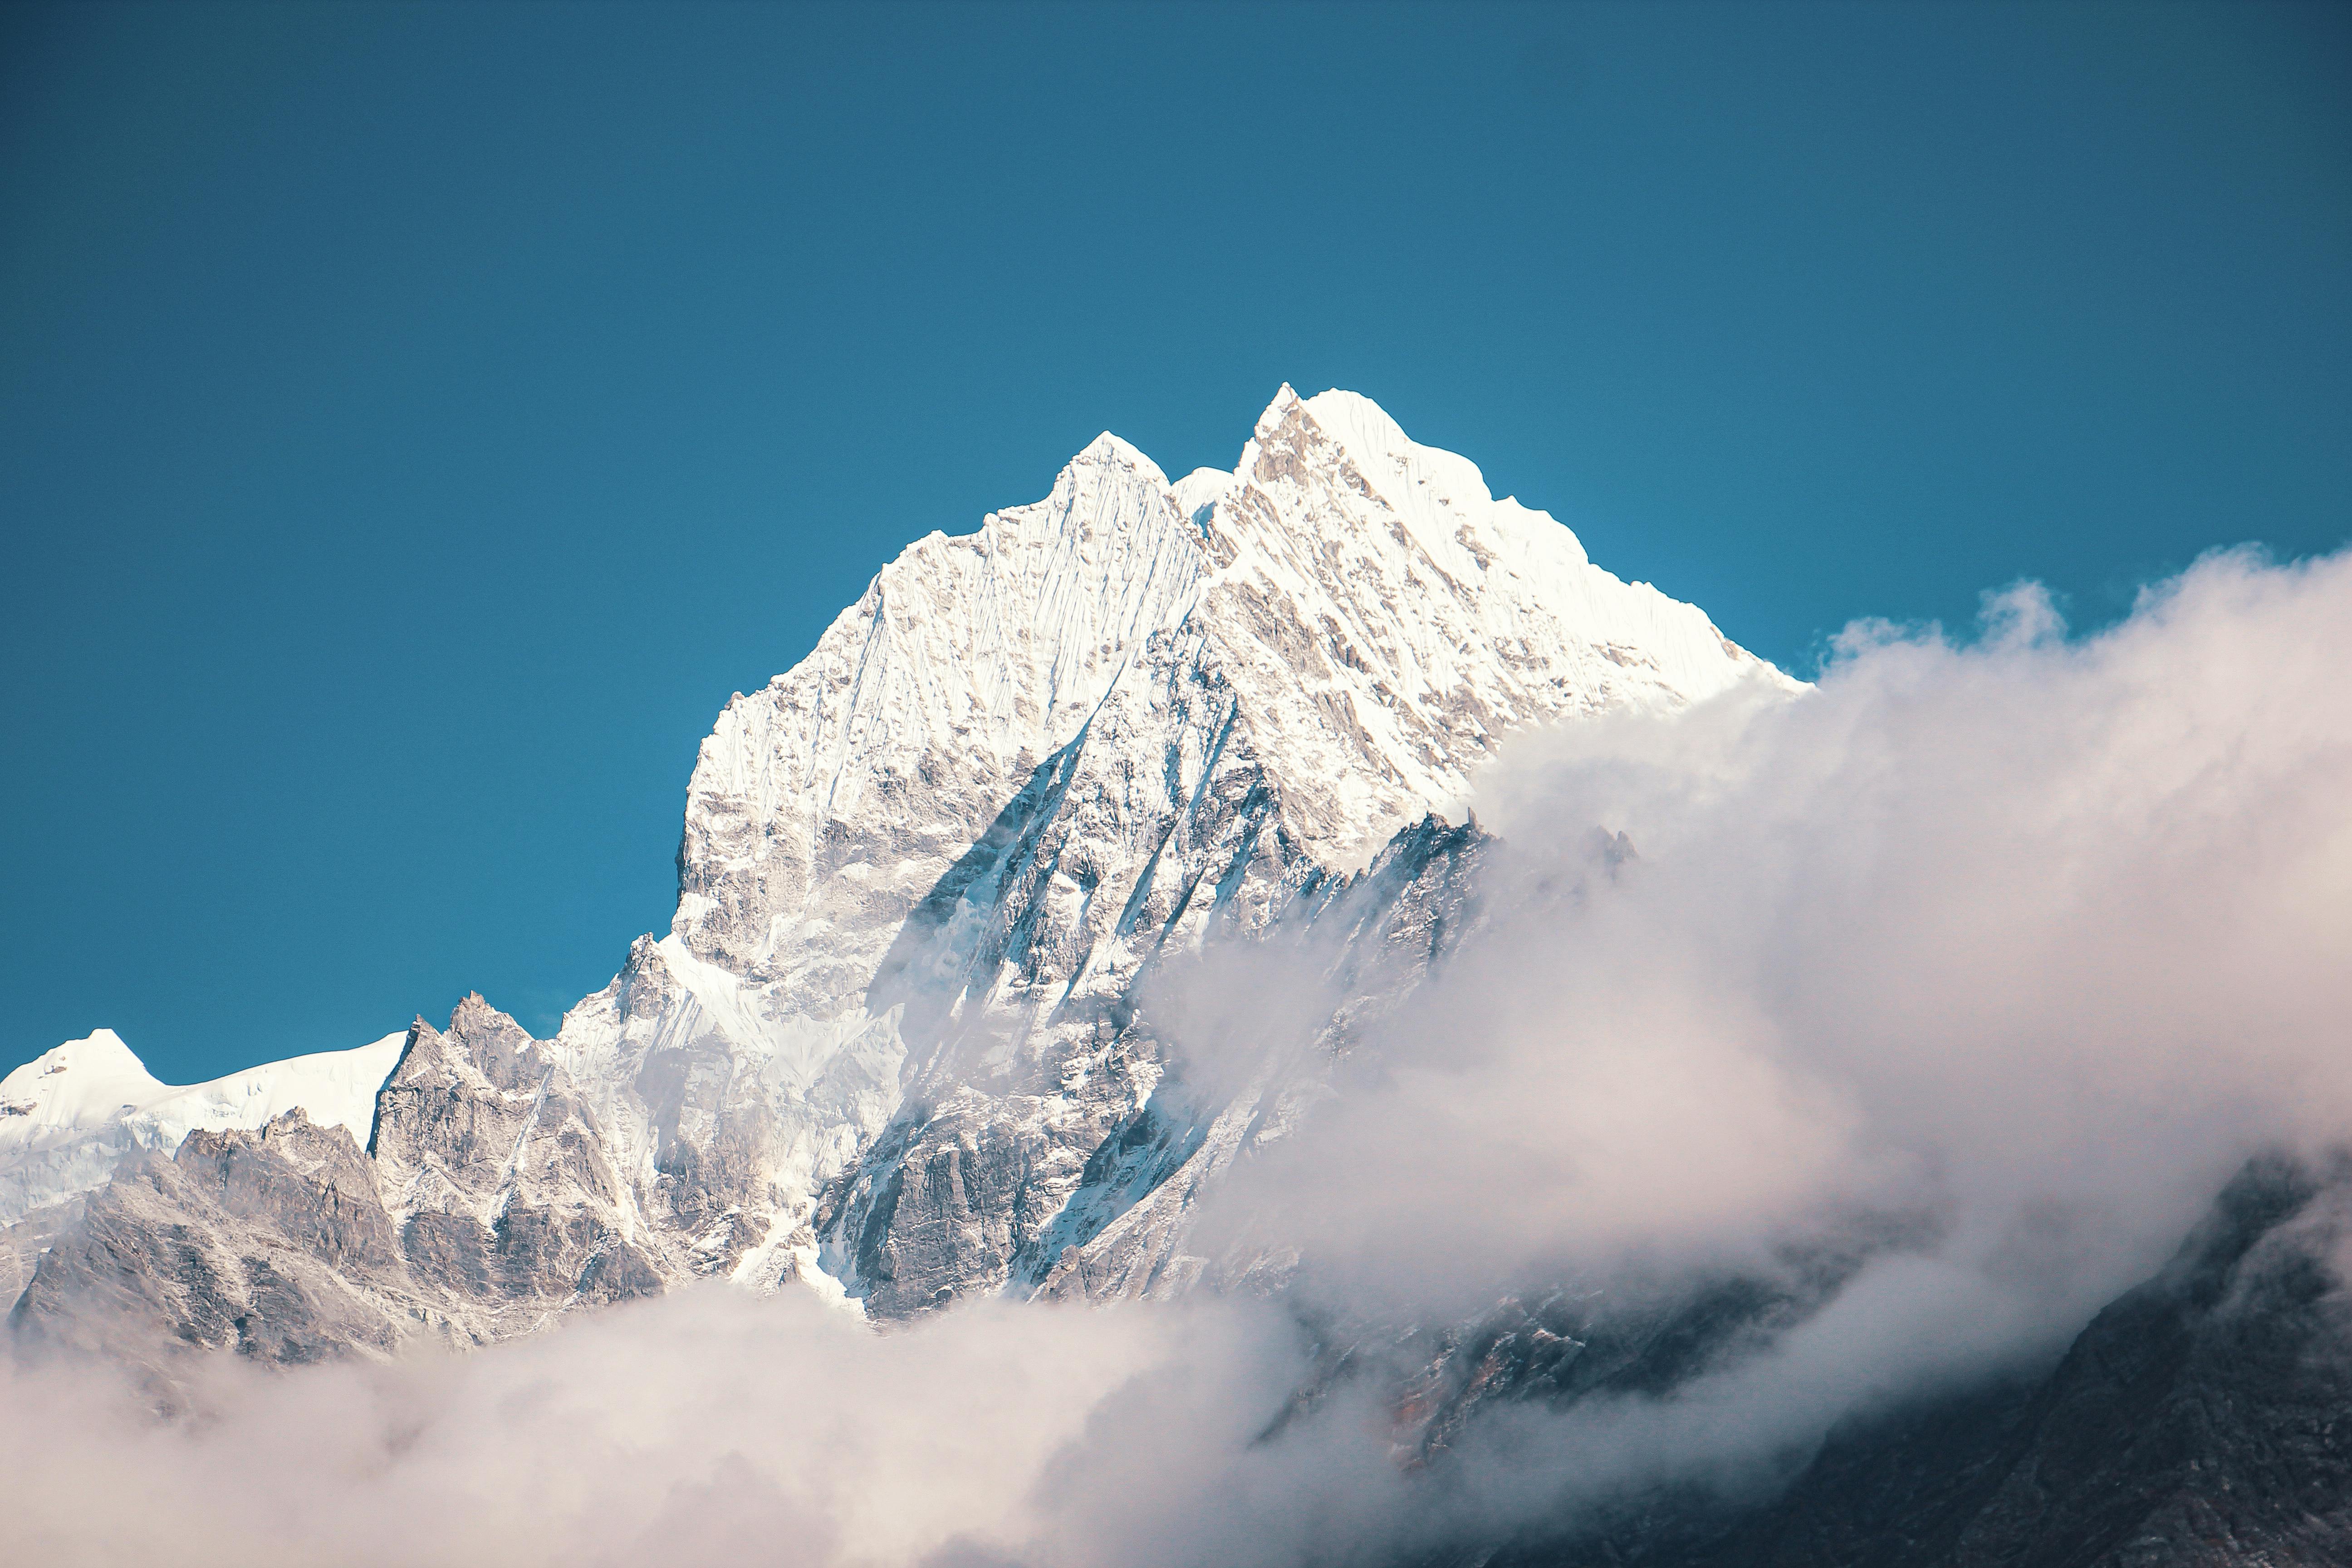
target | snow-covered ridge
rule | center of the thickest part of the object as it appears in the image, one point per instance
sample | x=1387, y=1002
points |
x=68, y=1116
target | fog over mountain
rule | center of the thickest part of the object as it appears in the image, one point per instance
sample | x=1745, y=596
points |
x=1286, y=1016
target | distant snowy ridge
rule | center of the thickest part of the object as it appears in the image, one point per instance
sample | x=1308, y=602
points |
x=67, y=1116
x=890, y=1030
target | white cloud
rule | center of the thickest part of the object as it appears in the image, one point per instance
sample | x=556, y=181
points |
x=2036, y=939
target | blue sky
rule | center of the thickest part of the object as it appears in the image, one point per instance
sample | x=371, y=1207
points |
x=415, y=420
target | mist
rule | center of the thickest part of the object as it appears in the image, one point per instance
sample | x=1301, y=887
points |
x=1981, y=963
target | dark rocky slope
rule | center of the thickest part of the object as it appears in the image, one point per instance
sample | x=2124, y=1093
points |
x=2202, y=1418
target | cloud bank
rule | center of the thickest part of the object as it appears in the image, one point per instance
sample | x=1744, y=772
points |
x=1999, y=955
x=2034, y=939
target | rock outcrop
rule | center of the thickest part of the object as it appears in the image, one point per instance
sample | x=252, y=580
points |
x=273, y=1244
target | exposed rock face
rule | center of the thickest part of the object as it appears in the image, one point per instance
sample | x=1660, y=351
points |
x=23, y=1243
x=273, y=1244
x=495, y=1169
x=485, y=1205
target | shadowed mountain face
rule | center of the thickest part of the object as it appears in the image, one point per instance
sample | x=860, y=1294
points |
x=2203, y=1417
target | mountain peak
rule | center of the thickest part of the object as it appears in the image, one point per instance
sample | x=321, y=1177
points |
x=83, y=1082
x=1107, y=450
x=1198, y=491
x=100, y=1049
x=1285, y=400
x=1363, y=427
x=101, y=1052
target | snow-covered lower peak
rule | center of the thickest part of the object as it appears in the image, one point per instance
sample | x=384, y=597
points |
x=1198, y=492
x=82, y=1084
x=334, y=1089
x=68, y=1116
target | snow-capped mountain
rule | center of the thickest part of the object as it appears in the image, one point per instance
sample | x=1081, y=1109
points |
x=890, y=1046
x=903, y=1044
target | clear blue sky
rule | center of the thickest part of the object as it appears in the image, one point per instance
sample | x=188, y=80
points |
x=415, y=420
